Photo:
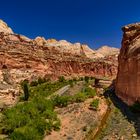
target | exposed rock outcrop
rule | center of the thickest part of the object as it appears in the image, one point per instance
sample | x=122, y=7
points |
x=23, y=58
x=4, y=28
x=128, y=78
x=27, y=58
x=107, y=51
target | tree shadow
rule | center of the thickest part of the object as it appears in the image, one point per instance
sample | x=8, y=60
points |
x=124, y=108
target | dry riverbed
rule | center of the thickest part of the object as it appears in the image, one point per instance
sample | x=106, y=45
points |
x=77, y=120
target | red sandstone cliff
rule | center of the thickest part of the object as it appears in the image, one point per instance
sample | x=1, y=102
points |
x=25, y=58
x=128, y=78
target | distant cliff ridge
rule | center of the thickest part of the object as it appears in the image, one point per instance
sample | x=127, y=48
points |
x=27, y=58
x=128, y=78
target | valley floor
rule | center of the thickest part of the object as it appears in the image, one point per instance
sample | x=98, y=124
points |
x=112, y=120
x=77, y=120
x=122, y=123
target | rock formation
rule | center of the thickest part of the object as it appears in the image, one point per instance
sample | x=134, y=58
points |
x=4, y=28
x=107, y=51
x=23, y=58
x=128, y=78
x=27, y=58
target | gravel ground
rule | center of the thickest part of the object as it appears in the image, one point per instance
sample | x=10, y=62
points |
x=122, y=124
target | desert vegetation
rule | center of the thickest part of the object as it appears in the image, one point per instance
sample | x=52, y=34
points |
x=34, y=116
x=94, y=104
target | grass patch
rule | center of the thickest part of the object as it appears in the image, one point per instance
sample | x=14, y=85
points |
x=95, y=104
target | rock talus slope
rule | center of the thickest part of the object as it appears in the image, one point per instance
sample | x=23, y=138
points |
x=128, y=78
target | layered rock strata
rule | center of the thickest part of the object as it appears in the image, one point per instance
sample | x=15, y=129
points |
x=128, y=78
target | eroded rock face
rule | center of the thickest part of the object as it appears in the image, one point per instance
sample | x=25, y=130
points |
x=107, y=51
x=128, y=78
x=25, y=58
x=4, y=28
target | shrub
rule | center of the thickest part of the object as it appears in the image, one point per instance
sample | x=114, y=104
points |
x=41, y=80
x=14, y=118
x=81, y=79
x=86, y=79
x=89, y=92
x=71, y=83
x=62, y=79
x=95, y=104
x=75, y=80
x=92, y=78
x=79, y=97
x=42, y=104
x=34, y=83
x=61, y=101
x=37, y=114
x=25, y=133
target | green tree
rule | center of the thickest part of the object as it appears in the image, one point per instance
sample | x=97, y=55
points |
x=62, y=79
x=26, y=91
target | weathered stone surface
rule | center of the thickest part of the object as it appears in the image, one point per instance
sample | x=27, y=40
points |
x=28, y=59
x=23, y=58
x=107, y=51
x=4, y=28
x=128, y=78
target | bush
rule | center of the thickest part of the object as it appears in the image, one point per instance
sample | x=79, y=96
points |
x=95, y=104
x=92, y=78
x=37, y=114
x=34, y=83
x=41, y=80
x=26, y=133
x=86, y=79
x=62, y=79
x=14, y=118
x=81, y=78
x=75, y=80
x=71, y=83
x=61, y=101
x=42, y=104
x=89, y=92
x=79, y=97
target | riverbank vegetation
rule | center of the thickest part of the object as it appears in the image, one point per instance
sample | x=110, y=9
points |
x=34, y=115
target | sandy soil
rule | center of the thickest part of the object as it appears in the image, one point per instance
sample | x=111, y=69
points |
x=76, y=120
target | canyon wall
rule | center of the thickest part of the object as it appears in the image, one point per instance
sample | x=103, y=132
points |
x=24, y=58
x=128, y=78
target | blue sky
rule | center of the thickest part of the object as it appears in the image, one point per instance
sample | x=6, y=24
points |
x=92, y=22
